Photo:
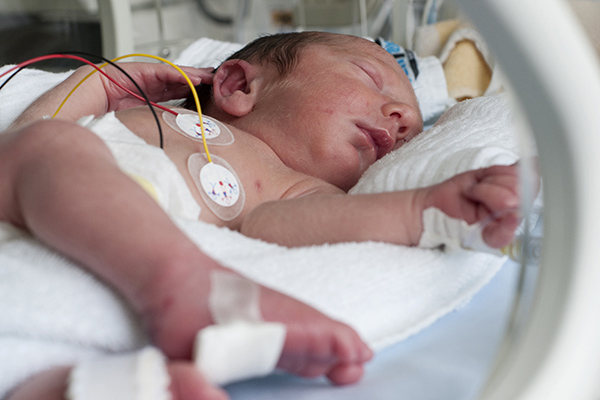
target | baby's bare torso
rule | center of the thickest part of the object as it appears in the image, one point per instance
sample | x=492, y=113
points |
x=263, y=176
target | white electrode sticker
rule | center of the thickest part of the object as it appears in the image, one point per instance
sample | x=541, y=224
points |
x=188, y=124
x=220, y=184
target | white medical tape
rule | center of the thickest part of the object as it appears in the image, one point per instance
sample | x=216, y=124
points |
x=240, y=350
x=441, y=230
x=242, y=345
x=85, y=120
x=233, y=298
x=136, y=376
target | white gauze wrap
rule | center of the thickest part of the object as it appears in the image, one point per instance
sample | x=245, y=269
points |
x=241, y=345
x=441, y=230
x=136, y=376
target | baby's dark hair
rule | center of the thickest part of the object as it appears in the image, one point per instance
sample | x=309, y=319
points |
x=281, y=50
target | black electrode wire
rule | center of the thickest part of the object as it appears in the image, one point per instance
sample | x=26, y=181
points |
x=10, y=77
x=142, y=93
x=88, y=55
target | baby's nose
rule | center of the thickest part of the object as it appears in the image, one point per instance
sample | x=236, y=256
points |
x=405, y=120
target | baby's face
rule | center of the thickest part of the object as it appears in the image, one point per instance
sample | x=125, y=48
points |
x=340, y=110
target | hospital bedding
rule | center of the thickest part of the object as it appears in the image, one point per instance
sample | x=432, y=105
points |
x=386, y=292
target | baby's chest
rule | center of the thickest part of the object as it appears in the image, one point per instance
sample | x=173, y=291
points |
x=230, y=180
x=228, y=177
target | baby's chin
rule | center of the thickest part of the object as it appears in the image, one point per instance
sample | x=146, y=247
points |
x=352, y=179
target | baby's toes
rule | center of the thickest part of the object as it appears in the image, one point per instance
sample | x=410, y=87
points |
x=344, y=374
x=337, y=354
x=350, y=348
x=188, y=384
x=351, y=353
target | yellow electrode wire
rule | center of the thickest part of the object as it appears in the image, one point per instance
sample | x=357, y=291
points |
x=189, y=82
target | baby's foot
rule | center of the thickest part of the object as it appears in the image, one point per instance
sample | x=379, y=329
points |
x=315, y=344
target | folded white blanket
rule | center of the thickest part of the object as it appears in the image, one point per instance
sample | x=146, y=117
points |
x=21, y=91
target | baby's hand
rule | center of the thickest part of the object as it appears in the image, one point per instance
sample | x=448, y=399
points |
x=489, y=196
x=160, y=82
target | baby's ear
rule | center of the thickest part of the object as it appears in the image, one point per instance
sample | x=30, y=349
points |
x=236, y=86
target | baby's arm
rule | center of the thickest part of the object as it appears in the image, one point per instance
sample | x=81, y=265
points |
x=329, y=215
x=97, y=95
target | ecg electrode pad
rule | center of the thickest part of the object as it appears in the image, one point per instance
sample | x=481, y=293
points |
x=188, y=124
x=218, y=185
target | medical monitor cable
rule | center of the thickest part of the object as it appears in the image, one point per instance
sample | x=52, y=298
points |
x=73, y=56
x=114, y=64
x=189, y=82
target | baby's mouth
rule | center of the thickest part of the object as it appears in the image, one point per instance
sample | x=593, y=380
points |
x=380, y=139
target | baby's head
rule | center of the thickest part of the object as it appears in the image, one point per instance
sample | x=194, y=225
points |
x=329, y=105
x=281, y=51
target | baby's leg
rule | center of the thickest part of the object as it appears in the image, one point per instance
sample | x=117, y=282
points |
x=315, y=344
x=61, y=183
x=186, y=384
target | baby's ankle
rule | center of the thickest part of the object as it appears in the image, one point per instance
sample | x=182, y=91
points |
x=168, y=277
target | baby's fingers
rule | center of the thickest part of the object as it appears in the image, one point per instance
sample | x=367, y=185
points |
x=179, y=87
x=494, y=198
x=500, y=232
x=496, y=192
x=199, y=75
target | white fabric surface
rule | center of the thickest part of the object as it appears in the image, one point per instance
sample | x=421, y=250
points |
x=140, y=375
x=54, y=312
x=207, y=52
x=453, y=234
x=135, y=157
x=22, y=90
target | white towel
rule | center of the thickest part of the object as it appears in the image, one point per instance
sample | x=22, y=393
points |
x=22, y=90
x=385, y=292
x=206, y=52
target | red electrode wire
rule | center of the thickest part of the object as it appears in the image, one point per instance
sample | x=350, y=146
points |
x=74, y=57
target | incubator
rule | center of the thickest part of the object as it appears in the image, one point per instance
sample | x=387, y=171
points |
x=550, y=327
